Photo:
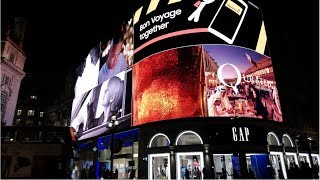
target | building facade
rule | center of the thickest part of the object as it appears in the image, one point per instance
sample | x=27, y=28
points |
x=199, y=100
x=12, y=65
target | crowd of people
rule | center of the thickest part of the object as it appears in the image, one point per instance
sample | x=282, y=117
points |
x=303, y=172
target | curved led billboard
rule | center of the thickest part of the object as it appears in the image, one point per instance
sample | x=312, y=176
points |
x=162, y=25
x=168, y=86
x=103, y=86
x=204, y=80
x=240, y=82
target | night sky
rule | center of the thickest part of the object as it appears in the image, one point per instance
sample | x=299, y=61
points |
x=61, y=33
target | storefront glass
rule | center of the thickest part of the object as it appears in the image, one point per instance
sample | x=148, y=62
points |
x=304, y=157
x=223, y=166
x=315, y=159
x=125, y=157
x=257, y=165
x=291, y=159
x=189, y=165
x=159, y=166
x=277, y=163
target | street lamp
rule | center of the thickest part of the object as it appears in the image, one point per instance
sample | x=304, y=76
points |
x=112, y=125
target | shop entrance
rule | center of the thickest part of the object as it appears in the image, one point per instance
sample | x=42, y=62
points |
x=292, y=158
x=304, y=157
x=224, y=167
x=189, y=165
x=159, y=166
x=277, y=163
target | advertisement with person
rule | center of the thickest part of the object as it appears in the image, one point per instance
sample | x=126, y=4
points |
x=117, y=54
x=240, y=82
x=163, y=25
x=100, y=104
x=87, y=72
x=167, y=86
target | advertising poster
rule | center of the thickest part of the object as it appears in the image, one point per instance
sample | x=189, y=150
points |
x=99, y=105
x=167, y=24
x=240, y=82
x=168, y=86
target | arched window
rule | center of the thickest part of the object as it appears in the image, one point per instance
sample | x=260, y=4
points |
x=273, y=139
x=159, y=140
x=287, y=141
x=188, y=138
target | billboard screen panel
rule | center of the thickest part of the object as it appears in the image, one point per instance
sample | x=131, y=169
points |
x=204, y=81
x=88, y=72
x=93, y=111
x=162, y=25
x=167, y=86
x=240, y=82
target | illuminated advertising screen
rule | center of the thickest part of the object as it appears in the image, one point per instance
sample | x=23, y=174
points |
x=167, y=86
x=117, y=53
x=92, y=113
x=204, y=81
x=88, y=72
x=240, y=82
x=162, y=25
x=104, y=84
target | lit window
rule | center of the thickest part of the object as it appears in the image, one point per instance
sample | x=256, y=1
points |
x=41, y=114
x=18, y=121
x=33, y=97
x=30, y=112
x=19, y=112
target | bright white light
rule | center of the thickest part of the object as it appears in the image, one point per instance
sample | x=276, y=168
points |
x=113, y=118
x=159, y=134
x=110, y=125
x=116, y=123
x=275, y=136
x=11, y=139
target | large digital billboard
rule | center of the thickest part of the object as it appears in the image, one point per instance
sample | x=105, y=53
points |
x=103, y=86
x=204, y=81
x=167, y=24
x=168, y=86
x=240, y=82
x=91, y=115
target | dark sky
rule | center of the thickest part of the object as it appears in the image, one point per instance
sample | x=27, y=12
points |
x=59, y=36
x=61, y=33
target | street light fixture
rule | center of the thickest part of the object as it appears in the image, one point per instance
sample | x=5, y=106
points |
x=112, y=125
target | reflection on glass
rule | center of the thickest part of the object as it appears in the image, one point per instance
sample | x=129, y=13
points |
x=190, y=167
x=160, y=168
x=223, y=167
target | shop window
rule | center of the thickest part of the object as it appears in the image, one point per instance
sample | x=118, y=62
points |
x=188, y=138
x=159, y=140
x=41, y=114
x=273, y=139
x=287, y=141
x=159, y=166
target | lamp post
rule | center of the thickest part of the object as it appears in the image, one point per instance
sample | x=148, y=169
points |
x=111, y=125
